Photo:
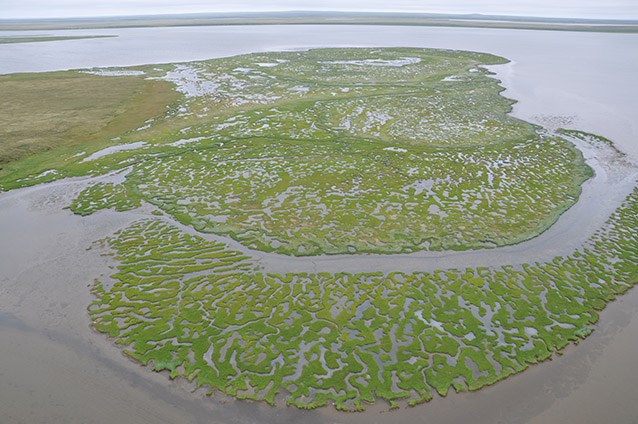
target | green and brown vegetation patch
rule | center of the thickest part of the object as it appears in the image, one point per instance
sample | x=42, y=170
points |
x=46, y=115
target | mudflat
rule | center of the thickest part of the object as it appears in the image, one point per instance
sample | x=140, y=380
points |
x=56, y=369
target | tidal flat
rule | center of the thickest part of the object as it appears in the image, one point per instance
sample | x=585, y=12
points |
x=304, y=148
x=388, y=151
x=45, y=296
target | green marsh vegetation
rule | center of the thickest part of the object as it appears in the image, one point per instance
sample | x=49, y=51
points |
x=341, y=151
x=206, y=313
x=338, y=151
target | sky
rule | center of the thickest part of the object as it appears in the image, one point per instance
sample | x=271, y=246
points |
x=602, y=9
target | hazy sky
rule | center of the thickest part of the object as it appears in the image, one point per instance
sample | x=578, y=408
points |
x=618, y=9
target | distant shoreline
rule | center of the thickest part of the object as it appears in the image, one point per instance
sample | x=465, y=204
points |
x=327, y=18
x=35, y=39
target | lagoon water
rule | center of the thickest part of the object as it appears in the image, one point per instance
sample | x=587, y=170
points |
x=54, y=369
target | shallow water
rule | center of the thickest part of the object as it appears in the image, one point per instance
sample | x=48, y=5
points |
x=54, y=369
x=114, y=149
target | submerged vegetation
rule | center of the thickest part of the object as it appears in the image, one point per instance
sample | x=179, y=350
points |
x=335, y=151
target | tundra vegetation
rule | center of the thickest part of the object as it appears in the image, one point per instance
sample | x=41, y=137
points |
x=333, y=151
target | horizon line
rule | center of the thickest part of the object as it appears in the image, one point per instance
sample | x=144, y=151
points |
x=477, y=15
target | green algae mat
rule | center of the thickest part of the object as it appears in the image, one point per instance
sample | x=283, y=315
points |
x=337, y=151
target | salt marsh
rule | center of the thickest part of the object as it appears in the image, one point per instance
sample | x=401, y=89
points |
x=424, y=186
